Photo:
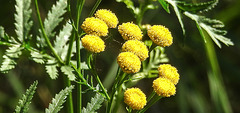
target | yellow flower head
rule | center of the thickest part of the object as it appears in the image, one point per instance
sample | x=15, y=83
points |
x=108, y=17
x=129, y=62
x=169, y=72
x=137, y=47
x=135, y=98
x=164, y=87
x=130, y=31
x=95, y=26
x=160, y=35
x=93, y=43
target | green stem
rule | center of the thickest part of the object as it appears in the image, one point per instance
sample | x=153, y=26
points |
x=154, y=100
x=94, y=8
x=45, y=36
x=114, y=89
x=69, y=98
x=91, y=65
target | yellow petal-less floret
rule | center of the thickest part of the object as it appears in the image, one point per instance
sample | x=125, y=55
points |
x=130, y=31
x=135, y=98
x=108, y=17
x=137, y=47
x=160, y=35
x=95, y=26
x=129, y=62
x=169, y=72
x=164, y=87
x=93, y=43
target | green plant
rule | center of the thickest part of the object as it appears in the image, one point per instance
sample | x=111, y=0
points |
x=66, y=50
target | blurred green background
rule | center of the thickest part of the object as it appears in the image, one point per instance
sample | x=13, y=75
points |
x=187, y=54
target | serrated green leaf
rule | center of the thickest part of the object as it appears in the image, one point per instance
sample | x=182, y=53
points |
x=94, y=105
x=197, y=7
x=9, y=58
x=37, y=57
x=211, y=26
x=22, y=19
x=178, y=14
x=67, y=70
x=23, y=104
x=54, y=17
x=165, y=5
x=51, y=68
x=61, y=46
x=58, y=100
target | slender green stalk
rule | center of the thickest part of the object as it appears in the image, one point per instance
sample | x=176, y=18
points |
x=91, y=65
x=217, y=89
x=114, y=89
x=45, y=36
x=154, y=100
x=94, y=8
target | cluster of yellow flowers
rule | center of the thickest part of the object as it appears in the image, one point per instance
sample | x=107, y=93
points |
x=133, y=52
x=95, y=27
x=168, y=78
x=133, y=34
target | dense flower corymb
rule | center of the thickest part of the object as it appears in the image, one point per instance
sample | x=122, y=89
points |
x=95, y=26
x=130, y=31
x=135, y=98
x=169, y=72
x=129, y=62
x=137, y=47
x=93, y=43
x=160, y=35
x=164, y=87
x=108, y=17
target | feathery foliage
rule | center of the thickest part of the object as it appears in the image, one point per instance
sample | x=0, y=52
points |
x=58, y=100
x=54, y=17
x=60, y=43
x=67, y=70
x=212, y=27
x=94, y=105
x=22, y=17
x=165, y=5
x=11, y=54
x=23, y=104
x=197, y=7
x=51, y=68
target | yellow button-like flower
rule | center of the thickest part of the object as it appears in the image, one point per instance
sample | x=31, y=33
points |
x=160, y=35
x=169, y=72
x=129, y=62
x=135, y=98
x=130, y=31
x=164, y=87
x=137, y=47
x=93, y=43
x=95, y=26
x=108, y=17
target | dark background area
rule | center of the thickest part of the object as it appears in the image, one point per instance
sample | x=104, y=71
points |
x=188, y=55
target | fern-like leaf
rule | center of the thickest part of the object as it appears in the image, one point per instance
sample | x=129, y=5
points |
x=67, y=70
x=197, y=7
x=94, y=105
x=58, y=100
x=23, y=104
x=22, y=18
x=165, y=5
x=212, y=27
x=62, y=39
x=54, y=17
x=178, y=14
x=130, y=5
x=51, y=68
x=9, y=58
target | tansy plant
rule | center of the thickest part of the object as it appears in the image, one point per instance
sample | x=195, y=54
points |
x=74, y=49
